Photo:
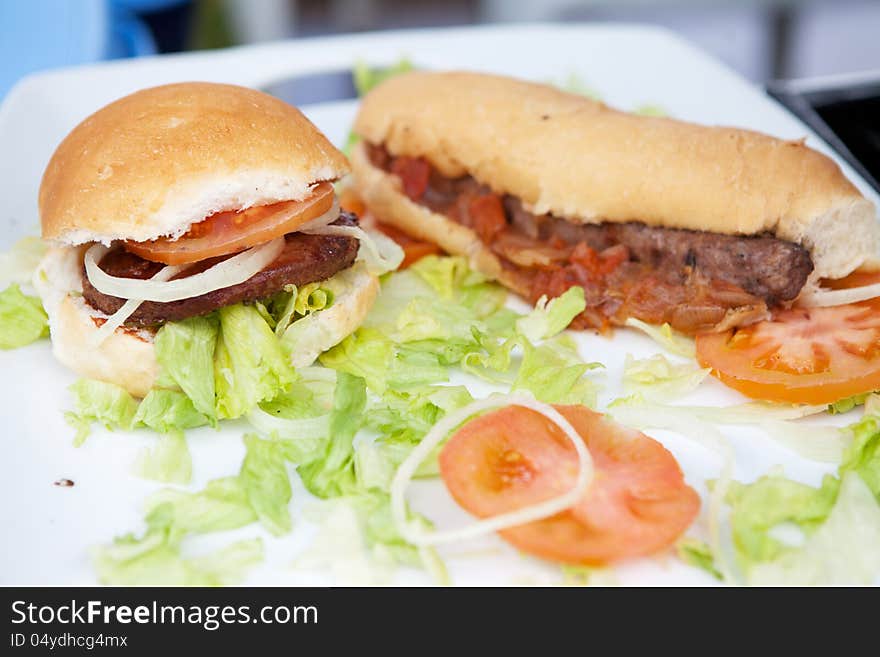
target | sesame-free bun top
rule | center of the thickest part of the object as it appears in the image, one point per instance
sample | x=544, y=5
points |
x=578, y=159
x=155, y=162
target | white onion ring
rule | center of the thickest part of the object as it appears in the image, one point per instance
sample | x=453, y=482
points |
x=232, y=271
x=129, y=307
x=527, y=514
x=819, y=298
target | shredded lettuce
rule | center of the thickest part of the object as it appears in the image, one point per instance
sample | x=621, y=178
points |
x=168, y=460
x=841, y=551
x=670, y=340
x=366, y=78
x=155, y=558
x=22, y=318
x=657, y=378
x=846, y=405
x=223, y=504
x=97, y=401
x=185, y=352
x=650, y=110
x=863, y=454
x=266, y=482
x=19, y=263
x=167, y=411
x=249, y=364
x=697, y=553
x=332, y=474
x=555, y=373
x=550, y=318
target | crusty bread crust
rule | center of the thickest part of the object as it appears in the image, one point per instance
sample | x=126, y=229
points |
x=579, y=159
x=128, y=357
x=154, y=162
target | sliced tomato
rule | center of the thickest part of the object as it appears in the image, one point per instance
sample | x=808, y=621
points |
x=413, y=249
x=638, y=502
x=802, y=355
x=230, y=232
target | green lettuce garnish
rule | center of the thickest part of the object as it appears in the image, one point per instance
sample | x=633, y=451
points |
x=168, y=460
x=97, y=401
x=249, y=364
x=266, y=482
x=657, y=378
x=155, y=557
x=185, y=352
x=22, y=318
x=333, y=474
x=550, y=318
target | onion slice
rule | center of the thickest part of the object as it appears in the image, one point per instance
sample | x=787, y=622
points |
x=232, y=271
x=129, y=307
x=417, y=536
x=821, y=298
x=382, y=255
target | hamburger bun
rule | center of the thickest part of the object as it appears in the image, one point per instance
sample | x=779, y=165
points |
x=578, y=159
x=155, y=162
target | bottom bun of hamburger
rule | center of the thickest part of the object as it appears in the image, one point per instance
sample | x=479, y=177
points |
x=127, y=357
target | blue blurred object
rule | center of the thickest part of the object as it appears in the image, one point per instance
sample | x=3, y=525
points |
x=42, y=34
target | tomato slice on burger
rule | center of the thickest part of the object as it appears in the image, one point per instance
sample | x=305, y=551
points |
x=802, y=355
x=637, y=504
x=230, y=232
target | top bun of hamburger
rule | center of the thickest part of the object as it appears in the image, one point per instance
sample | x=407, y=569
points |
x=580, y=160
x=155, y=162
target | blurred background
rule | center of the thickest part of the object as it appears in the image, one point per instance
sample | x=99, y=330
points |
x=762, y=39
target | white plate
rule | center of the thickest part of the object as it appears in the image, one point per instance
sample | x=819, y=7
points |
x=48, y=530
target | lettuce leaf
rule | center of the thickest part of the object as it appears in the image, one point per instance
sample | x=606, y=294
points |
x=841, y=552
x=185, y=352
x=550, y=318
x=666, y=337
x=155, y=558
x=168, y=460
x=863, y=454
x=332, y=474
x=697, y=553
x=97, y=401
x=19, y=263
x=249, y=364
x=22, y=318
x=223, y=504
x=366, y=78
x=656, y=378
x=555, y=373
x=266, y=482
x=773, y=500
x=167, y=411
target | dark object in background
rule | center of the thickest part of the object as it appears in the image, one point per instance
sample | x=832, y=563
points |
x=170, y=26
x=845, y=114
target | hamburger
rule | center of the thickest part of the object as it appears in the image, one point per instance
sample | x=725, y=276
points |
x=703, y=228
x=182, y=199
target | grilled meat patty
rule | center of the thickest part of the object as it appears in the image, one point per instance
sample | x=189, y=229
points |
x=305, y=259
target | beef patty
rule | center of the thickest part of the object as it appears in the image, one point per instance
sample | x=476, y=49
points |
x=305, y=259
